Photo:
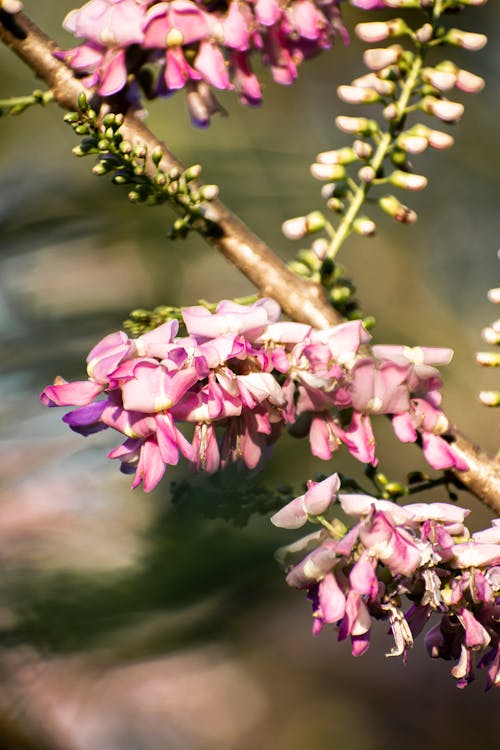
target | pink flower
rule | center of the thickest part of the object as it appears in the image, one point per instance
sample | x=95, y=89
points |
x=112, y=23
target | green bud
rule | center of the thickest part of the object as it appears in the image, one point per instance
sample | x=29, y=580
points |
x=192, y=173
x=82, y=129
x=82, y=102
x=108, y=120
x=300, y=269
x=340, y=294
x=109, y=133
x=72, y=117
x=394, y=489
x=160, y=179
x=156, y=155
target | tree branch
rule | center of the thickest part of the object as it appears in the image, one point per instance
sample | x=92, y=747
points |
x=301, y=300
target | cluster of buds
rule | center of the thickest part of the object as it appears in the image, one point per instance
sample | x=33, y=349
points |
x=239, y=376
x=491, y=335
x=379, y=156
x=127, y=164
x=199, y=46
x=421, y=554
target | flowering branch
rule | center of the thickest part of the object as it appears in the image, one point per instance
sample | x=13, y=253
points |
x=302, y=300
x=299, y=299
x=420, y=557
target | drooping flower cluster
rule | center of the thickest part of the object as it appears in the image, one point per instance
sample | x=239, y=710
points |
x=240, y=376
x=421, y=552
x=198, y=45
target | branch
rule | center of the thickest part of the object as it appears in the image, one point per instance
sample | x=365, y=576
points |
x=301, y=300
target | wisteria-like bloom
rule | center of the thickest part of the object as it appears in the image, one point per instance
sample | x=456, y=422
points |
x=238, y=378
x=196, y=45
x=419, y=552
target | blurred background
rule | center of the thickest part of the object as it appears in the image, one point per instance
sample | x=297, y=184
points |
x=139, y=622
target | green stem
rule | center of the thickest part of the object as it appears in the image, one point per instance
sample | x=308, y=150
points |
x=14, y=105
x=376, y=162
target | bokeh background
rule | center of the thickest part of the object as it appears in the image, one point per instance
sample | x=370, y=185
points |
x=134, y=622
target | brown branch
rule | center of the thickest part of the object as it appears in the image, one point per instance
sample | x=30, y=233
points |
x=302, y=300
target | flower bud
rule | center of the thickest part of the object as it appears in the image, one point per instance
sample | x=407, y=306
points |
x=328, y=172
x=357, y=95
x=444, y=109
x=490, y=398
x=424, y=33
x=320, y=247
x=192, y=173
x=494, y=296
x=373, y=81
x=340, y=156
x=336, y=205
x=367, y=174
x=393, y=207
x=358, y=125
x=378, y=31
x=362, y=149
x=408, y=180
x=442, y=80
x=390, y=112
x=440, y=140
x=488, y=359
x=469, y=82
x=364, y=226
x=466, y=39
x=490, y=335
x=412, y=143
x=295, y=229
x=381, y=57
x=209, y=192
x=11, y=6
x=334, y=189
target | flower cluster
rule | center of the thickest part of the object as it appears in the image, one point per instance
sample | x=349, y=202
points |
x=240, y=376
x=198, y=44
x=419, y=551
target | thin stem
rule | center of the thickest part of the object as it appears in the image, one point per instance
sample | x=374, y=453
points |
x=14, y=105
x=385, y=143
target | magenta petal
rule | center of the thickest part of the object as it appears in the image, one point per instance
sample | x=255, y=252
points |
x=320, y=495
x=113, y=73
x=78, y=393
x=362, y=577
x=150, y=468
x=403, y=427
x=211, y=64
x=331, y=599
x=476, y=636
x=437, y=451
